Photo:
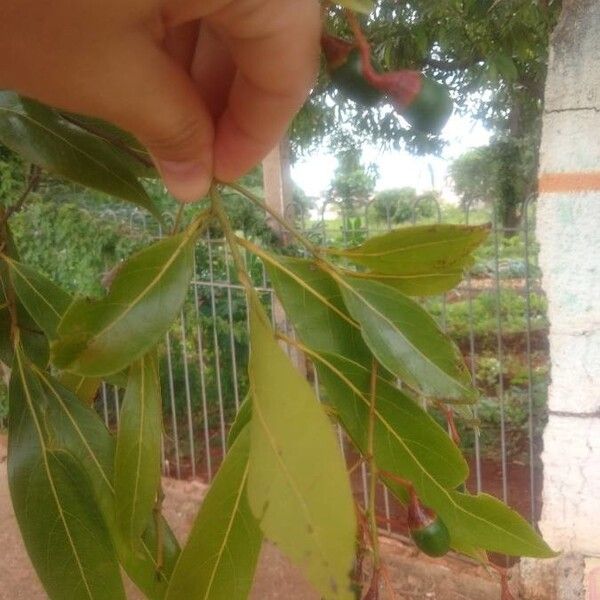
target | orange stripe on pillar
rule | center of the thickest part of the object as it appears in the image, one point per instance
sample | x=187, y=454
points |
x=570, y=182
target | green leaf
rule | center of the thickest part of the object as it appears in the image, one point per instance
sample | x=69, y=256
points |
x=45, y=301
x=506, y=66
x=34, y=342
x=242, y=419
x=314, y=303
x=137, y=456
x=362, y=6
x=41, y=136
x=67, y=541
x=407, y=341
x=485, y=522
x=407, y=441
x=416, y=285
x=6, y=347
x=130, y=150
x=219, y=559
x=85, y=388
x=298, y=487
x=425, y=250
x=78, y=429
x=99, y=338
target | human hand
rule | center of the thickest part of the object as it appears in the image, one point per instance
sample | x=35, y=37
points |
x=208, y=86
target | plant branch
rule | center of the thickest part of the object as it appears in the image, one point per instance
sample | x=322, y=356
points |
x=178, y=217
x=158, y=523
x=32, y=182
x=114, y=141
x=373, y=471
x=312, y=248
x=231, y=238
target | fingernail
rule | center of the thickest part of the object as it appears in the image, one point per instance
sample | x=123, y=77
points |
x=188, y=181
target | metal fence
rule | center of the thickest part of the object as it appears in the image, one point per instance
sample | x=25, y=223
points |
x=496, y=316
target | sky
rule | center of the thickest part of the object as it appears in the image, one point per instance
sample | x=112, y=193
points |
x=398, y=168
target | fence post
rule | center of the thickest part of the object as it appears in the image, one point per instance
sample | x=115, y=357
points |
x=568, y=230
x=278, y=189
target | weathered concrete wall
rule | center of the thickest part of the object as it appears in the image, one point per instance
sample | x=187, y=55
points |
x=568, y=229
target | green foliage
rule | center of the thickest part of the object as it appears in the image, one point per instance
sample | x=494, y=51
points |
x=43, y=137
x=402, y=205
x=220, y=557
x=498, y=175
x=73, y=247
x=307, y=512
x=137, y=454
x=376, y=352
x=102, y=337
x=352, y=183
x=12, y=176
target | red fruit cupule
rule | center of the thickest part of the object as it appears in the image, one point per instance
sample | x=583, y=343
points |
x=402, y=87
x=336, y=50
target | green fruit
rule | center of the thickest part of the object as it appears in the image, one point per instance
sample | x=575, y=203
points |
x=349, y=80
x=434, y=539
x=428, y=531
x=431, y=108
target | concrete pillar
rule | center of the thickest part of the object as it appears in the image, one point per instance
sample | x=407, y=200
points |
x=568, y=230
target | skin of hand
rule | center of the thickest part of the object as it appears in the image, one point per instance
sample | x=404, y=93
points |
x=208, y=86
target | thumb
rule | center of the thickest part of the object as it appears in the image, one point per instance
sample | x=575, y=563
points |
x=154, y=99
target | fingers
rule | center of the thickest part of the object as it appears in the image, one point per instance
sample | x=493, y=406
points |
x=180, y=43
x=155, y=99
x=275, y=47
x=212, y=70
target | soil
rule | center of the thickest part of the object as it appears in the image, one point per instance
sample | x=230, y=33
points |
x=411, y=574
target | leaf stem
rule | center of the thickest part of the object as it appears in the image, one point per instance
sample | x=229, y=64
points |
x=32, y=182
x=158, y=523
x=364, y=47
x=312, y=248
x=373, y=470
x=230, y=237
x=178, y=217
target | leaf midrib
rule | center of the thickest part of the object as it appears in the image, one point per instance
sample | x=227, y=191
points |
x=92, y=455
x=131, y=305
x=42, y=442
x=77, y=149
x=407, y=341
x=355, y=253
x=13, y=264
x=228, y=532
x=288, y=476
x=265, y=256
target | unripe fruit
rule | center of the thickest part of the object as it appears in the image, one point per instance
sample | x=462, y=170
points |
x=427, y=530
x=346, y=71
x=423, y=102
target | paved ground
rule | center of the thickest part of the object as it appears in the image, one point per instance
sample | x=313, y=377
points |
x=413, y=576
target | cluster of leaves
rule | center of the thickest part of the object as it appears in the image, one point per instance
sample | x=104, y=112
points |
x=284, y=477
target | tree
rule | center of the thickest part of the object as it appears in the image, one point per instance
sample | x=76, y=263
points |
x=498, y=175
x=353, y=183
x=493, y=56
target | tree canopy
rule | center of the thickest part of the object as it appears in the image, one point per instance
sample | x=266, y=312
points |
x=491, y=54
